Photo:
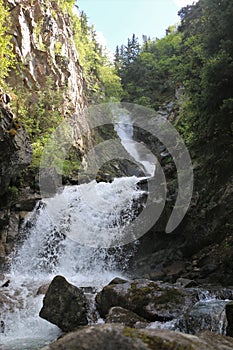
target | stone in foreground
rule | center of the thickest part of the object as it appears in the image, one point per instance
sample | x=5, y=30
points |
x=154, y=301
x=64, y=305
x=118, y=337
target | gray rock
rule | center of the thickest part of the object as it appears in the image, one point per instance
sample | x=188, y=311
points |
x=205, y=316
x=15, y=150
x=120, y=315
x=229, y=315
x=154, y=301
x=118, y=337
x=64, y=305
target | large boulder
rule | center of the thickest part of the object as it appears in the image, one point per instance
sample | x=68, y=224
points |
x=64, y=305
x=118, y=337
x=205, y=315
x=154, y=301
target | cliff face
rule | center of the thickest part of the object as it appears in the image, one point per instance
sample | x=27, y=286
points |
x=43, y=43
x=15, y=150
x=44, y=46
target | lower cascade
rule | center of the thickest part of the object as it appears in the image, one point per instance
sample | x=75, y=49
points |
x=67, y=235
x=73, y=235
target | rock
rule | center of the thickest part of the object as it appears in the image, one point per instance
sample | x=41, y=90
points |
x=119, y=315
x=154, y=301
x=15, y=152
x=118, y=280
x=229, y=315
x=2, y=327
x=43, y=289
x=205, y=316
x=64, y=305
x=185, y=283
x=118, y=337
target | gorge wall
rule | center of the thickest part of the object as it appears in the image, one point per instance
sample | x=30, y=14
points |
x=43, y=44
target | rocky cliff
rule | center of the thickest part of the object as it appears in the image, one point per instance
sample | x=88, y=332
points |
x=44, y=48
x=42, y=36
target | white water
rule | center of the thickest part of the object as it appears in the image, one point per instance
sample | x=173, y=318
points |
x=139, y=152
x=89, y=213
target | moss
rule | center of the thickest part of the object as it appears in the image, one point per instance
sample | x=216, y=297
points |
x=154, y=342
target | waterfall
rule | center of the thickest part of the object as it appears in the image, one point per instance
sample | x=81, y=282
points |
x=69, y=235
x=139, y=152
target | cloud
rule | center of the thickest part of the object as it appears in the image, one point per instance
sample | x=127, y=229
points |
x=101, y=39
x=182, y=3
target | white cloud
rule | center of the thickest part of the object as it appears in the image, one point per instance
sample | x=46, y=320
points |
x=103, y=42
x=182, y=3
x=101, y=39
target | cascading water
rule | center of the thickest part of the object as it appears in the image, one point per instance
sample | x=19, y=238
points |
x=70, y=234
x=137, y=150
x=67, y=235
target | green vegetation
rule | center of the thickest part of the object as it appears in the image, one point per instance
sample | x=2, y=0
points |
x=196, y=56
x=42, y=109
x=147, y=72
x=6, y=54
x=103, y=83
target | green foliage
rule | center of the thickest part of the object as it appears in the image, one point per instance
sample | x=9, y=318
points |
x=40, y=112
x=6, y=53
x=12, y=192
x=148, y=72
x=111, y=83
x=197, y=56
x=206, y=71
x=66, y=5
x=102, y=81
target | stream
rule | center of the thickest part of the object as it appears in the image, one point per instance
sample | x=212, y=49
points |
x=69, y=235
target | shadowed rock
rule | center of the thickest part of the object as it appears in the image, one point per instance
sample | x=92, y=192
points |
x=64, y=305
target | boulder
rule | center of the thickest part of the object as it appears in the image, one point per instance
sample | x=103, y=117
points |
x=208, y=316
x=154, y=301
x=229, y=315
x=118, y=314
x=119, y=337
x=64, y=305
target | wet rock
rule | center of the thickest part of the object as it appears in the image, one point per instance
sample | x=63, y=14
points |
x=229, y=315
x=43, y=289
x=205, y=316
x=118, y=337
x=185, y=283
x=154, y=301
x=15, y=151
x=120, y=315
x=64, y=305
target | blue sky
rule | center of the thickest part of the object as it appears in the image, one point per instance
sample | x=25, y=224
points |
x=116, y=20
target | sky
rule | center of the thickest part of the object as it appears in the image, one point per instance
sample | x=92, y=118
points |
x=116, y=20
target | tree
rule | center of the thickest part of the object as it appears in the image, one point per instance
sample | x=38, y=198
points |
x=6, y=52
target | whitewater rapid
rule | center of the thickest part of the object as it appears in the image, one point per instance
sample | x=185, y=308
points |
x=66, y=235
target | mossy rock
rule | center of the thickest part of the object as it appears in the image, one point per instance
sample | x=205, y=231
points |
x=154, y=301
x=119, y=337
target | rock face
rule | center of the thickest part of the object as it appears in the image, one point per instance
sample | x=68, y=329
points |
x=118, y=337
x=15, y=150
x=15, y=156
x=64, y=305
x=153, y=301
x=44, y=46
